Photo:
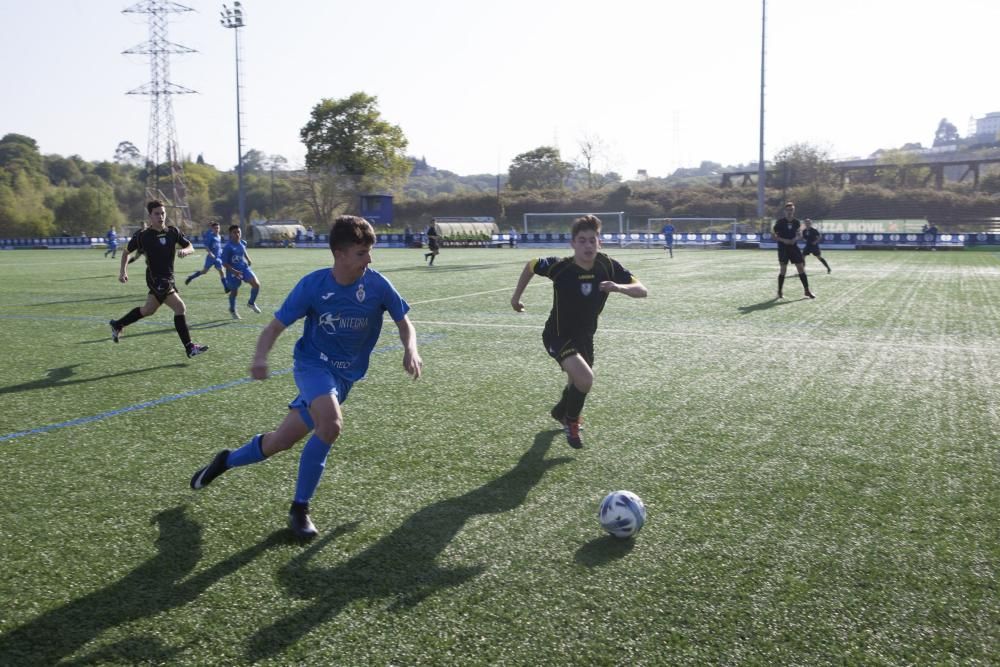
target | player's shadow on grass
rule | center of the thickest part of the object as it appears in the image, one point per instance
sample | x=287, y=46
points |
x=160, y=584
x=109, y=276
x=763, y=305
x=103, y=299
x=60, y=377
x=164, y=329
x=401, y=568
x=603, y=550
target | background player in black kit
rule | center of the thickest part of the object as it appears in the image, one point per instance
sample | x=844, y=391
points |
x=432, y=244
x=812, y=237
x=158, y=242
x=581, y=285
x=787, y=234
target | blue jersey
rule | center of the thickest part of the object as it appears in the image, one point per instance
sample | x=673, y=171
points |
x=343, y=322
x=235, y=255
x=112, y=237
x=212, y=243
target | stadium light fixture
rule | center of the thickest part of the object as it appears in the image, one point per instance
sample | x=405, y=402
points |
x=233, y=19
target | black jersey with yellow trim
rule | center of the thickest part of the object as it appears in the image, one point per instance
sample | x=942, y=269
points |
x=159, y=248
x=577, y=299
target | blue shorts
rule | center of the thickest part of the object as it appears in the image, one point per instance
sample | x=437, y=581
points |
x=212, y=261
x=314, y=381
x=232, y=282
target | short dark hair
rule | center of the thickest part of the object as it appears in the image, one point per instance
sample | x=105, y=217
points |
x=585, y=223
x=156, y=203
x=789, y=203
x=232, y=227
x=350, y=230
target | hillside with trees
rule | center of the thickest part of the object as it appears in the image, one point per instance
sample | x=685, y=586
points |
x=352, y=150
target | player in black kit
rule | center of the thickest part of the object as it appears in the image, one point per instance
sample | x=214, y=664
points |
x=787, y=234
x=812, y=237
x=158, y=242
x=581, y=285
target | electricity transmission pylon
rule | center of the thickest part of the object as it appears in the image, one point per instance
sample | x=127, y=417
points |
x=162, y=147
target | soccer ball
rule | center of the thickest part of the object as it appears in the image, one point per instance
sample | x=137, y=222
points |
x=622, y=514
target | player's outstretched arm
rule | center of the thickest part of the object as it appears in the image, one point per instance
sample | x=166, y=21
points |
x=634, y=289
x=412, y=363
x=258, y=367
x=522, y=282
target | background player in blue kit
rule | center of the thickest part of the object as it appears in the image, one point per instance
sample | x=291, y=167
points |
x=668, y=237
x=237, y=262
x=343, y=309
x=212, y=240
x=580, y=286
x=112, y=238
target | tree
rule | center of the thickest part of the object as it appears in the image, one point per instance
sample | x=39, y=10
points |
x=127, y=153
x=350, y=149
x=23, y=187
x=65, y=171
x=803, y=164
x=592, y=149
x=350, y=137
x=90, y=210
x=946, y=133
x=254, y=161
x=539, y=169
x=19, y=153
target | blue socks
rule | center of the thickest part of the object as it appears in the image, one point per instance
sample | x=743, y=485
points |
x=311, y=466
x=254, y=291
x=232, y=301
x=249, y=453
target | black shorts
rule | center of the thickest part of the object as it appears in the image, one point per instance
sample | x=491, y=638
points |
x=811, y=250
x=560, y=347
x=789, y=253
x=160, y=287
x=432, y=245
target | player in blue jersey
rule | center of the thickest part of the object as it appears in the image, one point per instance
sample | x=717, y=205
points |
x=112, y=238
x=580, y=286
x=343, y=309
x=212, y=240
x=668, y=237
x=237, y=262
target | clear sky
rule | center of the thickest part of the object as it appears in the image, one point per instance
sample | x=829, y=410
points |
x=660, y=83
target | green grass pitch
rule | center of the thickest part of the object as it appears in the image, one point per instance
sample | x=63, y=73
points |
x=821, y=476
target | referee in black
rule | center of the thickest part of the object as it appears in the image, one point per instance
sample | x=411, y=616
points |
x=787, y=233
x=158, y=242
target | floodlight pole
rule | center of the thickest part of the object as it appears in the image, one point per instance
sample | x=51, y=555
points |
x=233, y=18
x=761, y=170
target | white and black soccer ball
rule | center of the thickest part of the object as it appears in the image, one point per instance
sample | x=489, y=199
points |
x=622, y=514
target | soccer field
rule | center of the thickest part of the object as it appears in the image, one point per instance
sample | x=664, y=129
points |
x=821, y=476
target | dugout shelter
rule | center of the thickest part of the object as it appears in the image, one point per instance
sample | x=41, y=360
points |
x=465, y=231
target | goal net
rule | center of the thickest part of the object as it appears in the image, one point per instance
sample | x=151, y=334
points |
x=555, y=227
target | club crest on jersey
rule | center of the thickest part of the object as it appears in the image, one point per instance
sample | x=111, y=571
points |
x=163, y=240
x=360, y=294
x=586, y=288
